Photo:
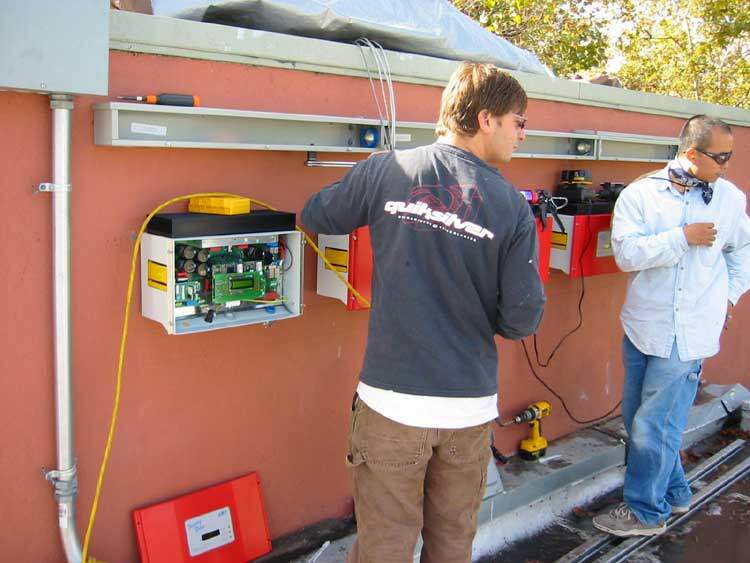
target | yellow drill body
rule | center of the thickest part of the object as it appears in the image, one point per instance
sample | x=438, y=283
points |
x=535, y=446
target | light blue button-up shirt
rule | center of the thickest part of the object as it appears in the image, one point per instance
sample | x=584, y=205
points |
x=676, y=291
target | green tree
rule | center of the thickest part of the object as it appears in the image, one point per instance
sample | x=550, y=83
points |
x=568, y=37
x=694, y=49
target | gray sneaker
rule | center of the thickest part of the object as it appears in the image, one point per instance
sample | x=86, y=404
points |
x=680, y=509
x=623, y=523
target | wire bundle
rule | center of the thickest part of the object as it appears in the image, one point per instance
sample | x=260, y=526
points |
x=386, y=113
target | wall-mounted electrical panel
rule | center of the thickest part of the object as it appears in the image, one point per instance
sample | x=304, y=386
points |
x=351, y=255
x=203, y=272
x=225, y=523
x=584, y=248
x=581, y=242
x=55, y=47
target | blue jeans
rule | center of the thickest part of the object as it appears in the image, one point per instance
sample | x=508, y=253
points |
x=657, y=396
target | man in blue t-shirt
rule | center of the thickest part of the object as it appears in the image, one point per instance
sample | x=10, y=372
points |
x=455, y=263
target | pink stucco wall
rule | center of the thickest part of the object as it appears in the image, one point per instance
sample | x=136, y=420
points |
x=200, y=409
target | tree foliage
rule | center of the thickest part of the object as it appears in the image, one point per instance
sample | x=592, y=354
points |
x=694, y=49
x=567, y=37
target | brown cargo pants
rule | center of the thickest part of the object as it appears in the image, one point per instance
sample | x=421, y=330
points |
x=408, y=480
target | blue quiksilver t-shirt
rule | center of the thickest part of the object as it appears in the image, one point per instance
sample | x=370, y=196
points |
x=455, y=262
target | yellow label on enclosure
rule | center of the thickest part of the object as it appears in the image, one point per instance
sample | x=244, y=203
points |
x=559, y=240
x=338, y=258
x=157, y=275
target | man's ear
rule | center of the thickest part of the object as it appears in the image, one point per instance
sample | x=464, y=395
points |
x=691, y=154
x=483, y=120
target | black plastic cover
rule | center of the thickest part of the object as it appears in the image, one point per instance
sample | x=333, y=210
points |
x=181, y=225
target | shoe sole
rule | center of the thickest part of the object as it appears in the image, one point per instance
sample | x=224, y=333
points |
x=630, y=533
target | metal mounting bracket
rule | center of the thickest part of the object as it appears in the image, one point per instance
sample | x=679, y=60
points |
x=65, y=481
x=50, y=187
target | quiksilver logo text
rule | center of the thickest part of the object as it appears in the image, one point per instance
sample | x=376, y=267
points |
x=450, y=220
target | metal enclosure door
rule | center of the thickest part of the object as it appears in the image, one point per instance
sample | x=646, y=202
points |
x=55, y=47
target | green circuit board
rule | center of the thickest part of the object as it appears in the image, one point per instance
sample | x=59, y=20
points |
x=245, y=286
x=248, y=275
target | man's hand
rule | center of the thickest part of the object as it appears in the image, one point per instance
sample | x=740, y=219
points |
x=700, y=234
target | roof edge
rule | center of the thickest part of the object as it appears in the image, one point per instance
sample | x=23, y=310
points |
x=134, y=32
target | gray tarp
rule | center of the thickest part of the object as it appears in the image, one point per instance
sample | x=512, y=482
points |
x=428, y=27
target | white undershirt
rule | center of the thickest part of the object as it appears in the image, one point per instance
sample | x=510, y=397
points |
x=429, y=412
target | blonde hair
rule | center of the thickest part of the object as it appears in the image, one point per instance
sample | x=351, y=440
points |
x=474, y=87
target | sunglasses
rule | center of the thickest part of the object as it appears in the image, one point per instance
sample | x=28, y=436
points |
x=719, y=158
x=520, y=120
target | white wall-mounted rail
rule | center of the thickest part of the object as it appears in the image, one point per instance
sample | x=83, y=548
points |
x=137, y=125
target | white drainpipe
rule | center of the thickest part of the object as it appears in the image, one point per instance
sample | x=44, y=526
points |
x=64, y=477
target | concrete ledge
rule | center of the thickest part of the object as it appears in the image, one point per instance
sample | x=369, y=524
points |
x=569, y=460
x=577, y=468
x=308, y=539
x=142, y=33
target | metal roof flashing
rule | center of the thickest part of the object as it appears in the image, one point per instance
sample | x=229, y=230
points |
x=134, y=32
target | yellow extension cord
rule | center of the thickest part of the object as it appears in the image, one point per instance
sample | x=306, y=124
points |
x=124, y=338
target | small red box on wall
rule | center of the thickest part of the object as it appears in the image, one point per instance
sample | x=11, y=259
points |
x=585, y=248
x=360, y=268
x=225, y=523
x=351, y=255
x=545, y=246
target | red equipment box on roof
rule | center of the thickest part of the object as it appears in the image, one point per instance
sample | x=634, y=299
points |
x=225, y=523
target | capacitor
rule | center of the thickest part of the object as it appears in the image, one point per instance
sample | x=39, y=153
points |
x=240, y=267
x=259, y=266
x=202, y=270
x=186, y=266
x=187, y=252
x=203, y=255
x=254, y=253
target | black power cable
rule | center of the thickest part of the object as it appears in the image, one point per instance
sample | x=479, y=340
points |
x=562, y=401
x=562, y=340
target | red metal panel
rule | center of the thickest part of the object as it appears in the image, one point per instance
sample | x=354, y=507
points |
x=583, y=259
x=545, y=247
x=360, y=268
x=160, y=528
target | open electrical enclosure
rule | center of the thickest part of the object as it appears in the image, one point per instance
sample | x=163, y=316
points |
x=196, y=283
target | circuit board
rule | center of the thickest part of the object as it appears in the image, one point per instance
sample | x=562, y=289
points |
x=226, y=277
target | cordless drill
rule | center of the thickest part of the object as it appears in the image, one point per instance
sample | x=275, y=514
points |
x=535, y=446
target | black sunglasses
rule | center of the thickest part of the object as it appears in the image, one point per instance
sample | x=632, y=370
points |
x=520, y=120
x=719, y=158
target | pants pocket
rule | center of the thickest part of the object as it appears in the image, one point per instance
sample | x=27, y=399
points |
x=354, y=457
x=470, y=445
x=387, y=445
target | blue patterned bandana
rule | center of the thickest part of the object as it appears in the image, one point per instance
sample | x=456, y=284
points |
x=685, y=178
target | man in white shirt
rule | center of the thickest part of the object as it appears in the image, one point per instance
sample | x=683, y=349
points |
x=684, y=235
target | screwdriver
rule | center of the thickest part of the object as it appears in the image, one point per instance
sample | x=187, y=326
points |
x=165, y=99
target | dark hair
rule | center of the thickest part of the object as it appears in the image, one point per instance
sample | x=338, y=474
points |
x=697, y=131
x=474, y=87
